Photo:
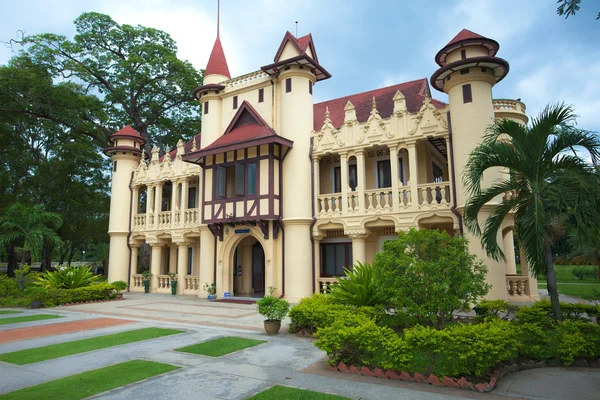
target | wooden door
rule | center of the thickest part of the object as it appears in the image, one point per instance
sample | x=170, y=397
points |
x=258, y=269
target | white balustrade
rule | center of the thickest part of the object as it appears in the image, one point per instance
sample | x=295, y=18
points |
x=192, y=283
x=329, y=204
x=434, y=194
x=164, y=218
x=325, y=284
x=404, y=197
x=190, y=216
x=245, y=80
x=352, y=202
x=139, y=221
x=509, y=105
x=378, y=200
x=164, y=282
x=137, y=284
x=517, y=286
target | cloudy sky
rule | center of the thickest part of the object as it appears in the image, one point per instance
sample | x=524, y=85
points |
x=363, y=44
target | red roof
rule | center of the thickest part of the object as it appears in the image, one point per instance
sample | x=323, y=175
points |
x=187, y=147
x=413, y=91
x=217, y=64
x=300, y=44
x=463, y=35
x=128, y=132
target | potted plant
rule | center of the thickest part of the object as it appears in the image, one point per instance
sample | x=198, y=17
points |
x=119, y=286
x=211, y=289
x=173, y=283
x=274, y=310
x=146, y=275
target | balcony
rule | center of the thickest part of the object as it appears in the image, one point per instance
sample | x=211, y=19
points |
x=510, y=109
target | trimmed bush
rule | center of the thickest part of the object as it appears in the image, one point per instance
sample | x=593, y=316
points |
x=495, y=309
x=541, y=312
x=101, y=291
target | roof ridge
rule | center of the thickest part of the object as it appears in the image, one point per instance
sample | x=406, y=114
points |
x=372, y=90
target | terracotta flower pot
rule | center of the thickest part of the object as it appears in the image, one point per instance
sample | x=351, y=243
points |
x=272, y=327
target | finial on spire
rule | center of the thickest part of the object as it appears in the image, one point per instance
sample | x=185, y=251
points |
x=296, y=28
x=218, y=18
x=373, y=104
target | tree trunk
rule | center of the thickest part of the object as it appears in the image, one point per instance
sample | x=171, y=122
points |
x=12, y=261
x=47, y=252
x=71, y=254
x=551, y=284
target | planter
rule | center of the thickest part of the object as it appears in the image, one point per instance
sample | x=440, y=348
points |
x=212, y=296
x=35, y=304
x=119, y=296
x=173, y=288
x=272, y=327
x=146, y=286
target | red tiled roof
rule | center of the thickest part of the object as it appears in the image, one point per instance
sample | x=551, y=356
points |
x=301, y=44
x=217, y=64
x=463, y=35
x=127, y=131
x=187, y=147
x=413, y=91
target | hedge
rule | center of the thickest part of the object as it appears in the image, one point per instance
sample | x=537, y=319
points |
x=100, y=291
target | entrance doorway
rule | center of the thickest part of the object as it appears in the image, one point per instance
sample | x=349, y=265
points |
x=249, y=269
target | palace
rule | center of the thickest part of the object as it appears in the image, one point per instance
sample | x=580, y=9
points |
x=278, y=191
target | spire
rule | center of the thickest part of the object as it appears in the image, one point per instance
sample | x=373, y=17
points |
x=217, y=64
x=464, y=35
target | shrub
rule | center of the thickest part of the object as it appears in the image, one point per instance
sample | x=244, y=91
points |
x=541, y=312
x=358, y=288
x=8, y=287
x=463, y=349
x=365, y=343
x=577, y=340
x=495, y=309
x=101, y=291
x=319, y=311
x=67, y=278
x=430, y=274
x=119, y=286
x=272, y=308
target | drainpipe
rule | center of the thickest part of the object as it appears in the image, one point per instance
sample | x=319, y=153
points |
x=312, y=204
x=453, y=208
x=129, y=233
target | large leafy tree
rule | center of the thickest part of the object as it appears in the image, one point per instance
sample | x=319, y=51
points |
x=134, y=70
x=549, y=179
x=28, y=226
x=569, y=7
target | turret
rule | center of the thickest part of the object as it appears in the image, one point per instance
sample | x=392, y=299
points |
x=296, y=69
x=216, y=72
x=125, y=154
x=469, y=70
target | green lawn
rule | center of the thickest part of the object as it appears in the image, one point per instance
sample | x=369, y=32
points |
x=38, y=354
x=92, y=382
x=220, y=347
x=4, y=312
x=584, y=290
x=288, y=393
x=27, y=318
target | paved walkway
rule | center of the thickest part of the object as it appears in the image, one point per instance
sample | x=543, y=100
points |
x=284, y=360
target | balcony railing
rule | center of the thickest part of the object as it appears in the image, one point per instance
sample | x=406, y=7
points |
x=378, y=200
x=137, y=283
x=329, y=204
x=146, y=221
x=325, y=284
x=509, y=105
x=434, y=194
x=192, y=284
x=517, y=287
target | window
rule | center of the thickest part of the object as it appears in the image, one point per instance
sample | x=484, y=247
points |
x=142, y=202
x=401, y=171
x=464, y=71
x=337, y=179
x=334, y=257
x=467, y=95
x=240, y=170
x=288, y=85
x=352, y=177
x=384, y=174
x=235, y=102
x=114, y=166
x=438, y=172
x=261, y=95
x=206, y=107
x=190, y=260
x=463, y=54
x=192, y=197
x=251, y=179
x=310, y=84
x=221, y=181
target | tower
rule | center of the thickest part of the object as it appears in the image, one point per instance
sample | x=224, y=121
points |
x=468, y=71
x=296, y=69
x=125, y=154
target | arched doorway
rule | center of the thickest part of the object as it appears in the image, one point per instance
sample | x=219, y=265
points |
x=249, y=268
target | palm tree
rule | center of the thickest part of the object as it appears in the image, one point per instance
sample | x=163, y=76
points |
x=548, y=178
x=30, y=226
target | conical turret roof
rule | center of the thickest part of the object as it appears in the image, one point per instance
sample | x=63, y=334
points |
x=217, y=63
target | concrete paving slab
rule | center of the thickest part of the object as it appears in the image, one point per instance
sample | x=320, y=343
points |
x=552, y=384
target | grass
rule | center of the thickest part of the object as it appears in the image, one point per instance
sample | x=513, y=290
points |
x=28, y=318
x=564, y=273
x=91, y=382
x=4, y=312
x=220, y=347
x=289, y=393
x=583, y=290
x=38, y=354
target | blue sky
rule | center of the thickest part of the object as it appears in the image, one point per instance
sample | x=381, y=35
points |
x=364, y=44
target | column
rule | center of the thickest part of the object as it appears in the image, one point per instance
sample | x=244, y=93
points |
x=316, y=184
x=361, y=184
x=451, y=172
x=395, y=171
x=136, y=201
x=158, y=203
x=172, y=258
x=509, y=253
x=412, y=168
x=359, y=251
x=150, y=205
x=317, y=241
x=155, y=263
x=174, y=187
x=344, y=179
x=182, y=264
x=207, y=259
x=134, y=264
x=184, y=201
